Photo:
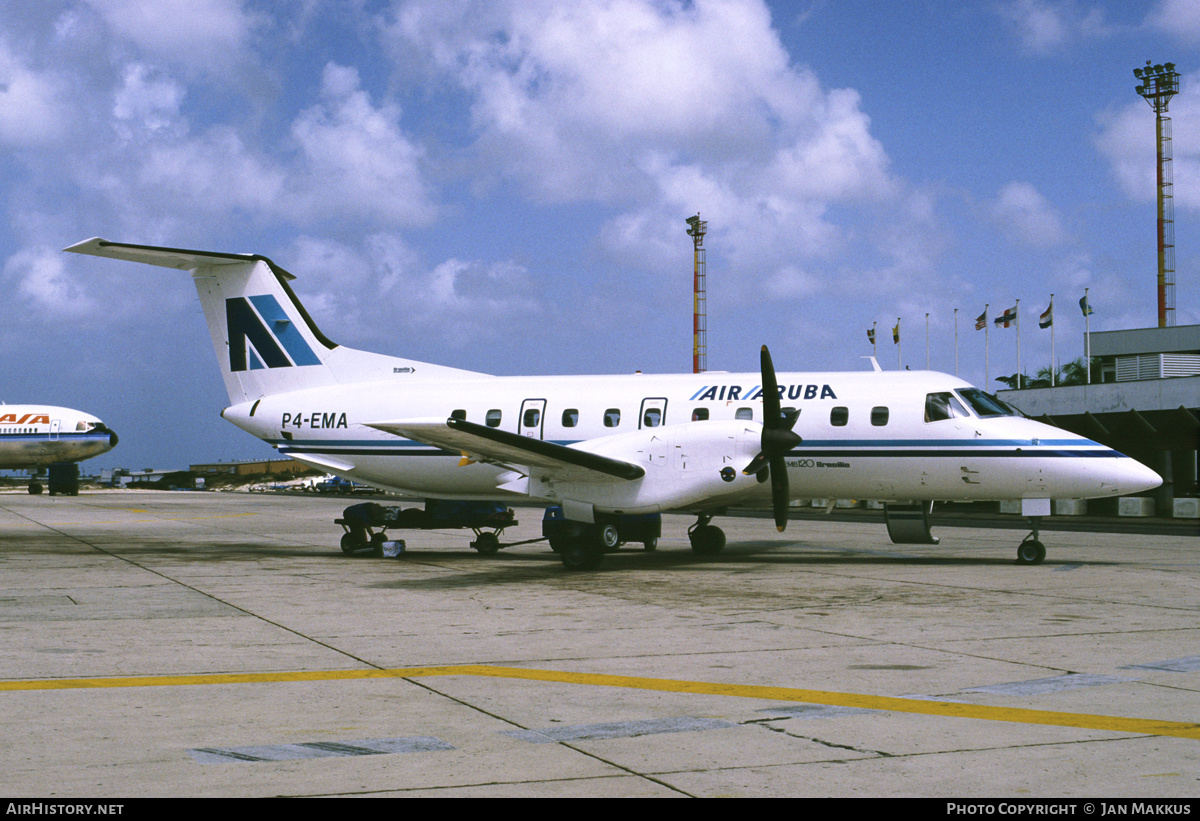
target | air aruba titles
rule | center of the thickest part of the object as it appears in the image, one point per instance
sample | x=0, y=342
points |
x=730, y=393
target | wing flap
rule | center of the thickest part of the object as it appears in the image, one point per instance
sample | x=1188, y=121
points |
x=513, y=450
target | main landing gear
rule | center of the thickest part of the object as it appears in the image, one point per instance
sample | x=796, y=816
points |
x=586, y=549
x=582, y=546
x=706, y=539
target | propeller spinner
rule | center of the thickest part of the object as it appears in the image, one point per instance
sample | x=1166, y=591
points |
x=777, y=439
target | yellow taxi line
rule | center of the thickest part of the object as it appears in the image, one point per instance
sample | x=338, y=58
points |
x=1119, y=724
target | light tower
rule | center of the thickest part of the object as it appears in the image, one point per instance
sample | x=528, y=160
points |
x=696, y=230
x=1159, y=83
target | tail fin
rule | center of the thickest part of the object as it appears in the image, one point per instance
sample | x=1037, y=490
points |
x=266, y=343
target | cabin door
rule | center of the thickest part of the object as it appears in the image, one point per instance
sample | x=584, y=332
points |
x=533, y=418
x=653, y=413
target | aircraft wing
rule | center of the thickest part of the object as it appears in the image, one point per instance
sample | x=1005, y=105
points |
x=513, y=450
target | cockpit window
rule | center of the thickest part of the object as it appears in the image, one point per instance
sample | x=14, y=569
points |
x=939, y=406
x=984, y=404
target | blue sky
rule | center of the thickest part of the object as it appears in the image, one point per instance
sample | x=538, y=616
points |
x=502, y=186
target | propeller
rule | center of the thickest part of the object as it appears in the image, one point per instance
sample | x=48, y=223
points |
x=777, y=439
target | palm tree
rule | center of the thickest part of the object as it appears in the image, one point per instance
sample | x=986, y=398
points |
x=1072, y=373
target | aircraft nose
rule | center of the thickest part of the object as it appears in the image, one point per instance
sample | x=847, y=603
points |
x=112, y=434
x=1131, y=476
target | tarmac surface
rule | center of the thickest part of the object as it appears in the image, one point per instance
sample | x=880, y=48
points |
x=220, y=644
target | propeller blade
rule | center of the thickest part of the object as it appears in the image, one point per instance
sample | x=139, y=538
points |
x=777, y=439
x=771, y=415
x=779, y=493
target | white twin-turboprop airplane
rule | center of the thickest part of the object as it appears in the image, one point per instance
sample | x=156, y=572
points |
x=604, y=446
x=35, y=436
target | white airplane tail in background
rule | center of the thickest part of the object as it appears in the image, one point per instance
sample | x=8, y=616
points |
x=266, y=343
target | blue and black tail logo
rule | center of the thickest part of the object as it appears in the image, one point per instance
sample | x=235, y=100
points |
x=262, y=336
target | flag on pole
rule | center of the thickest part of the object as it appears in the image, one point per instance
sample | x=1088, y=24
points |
x=1007, y=318
x=981, y=320
x=896, y=333
x=871, y=335
x=1047, y=319
x=1085, y=306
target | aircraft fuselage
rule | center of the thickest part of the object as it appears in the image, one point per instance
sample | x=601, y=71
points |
x=865, y=434
x=34, y=436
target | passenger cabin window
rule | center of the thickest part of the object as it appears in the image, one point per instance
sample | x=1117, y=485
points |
x=879, y=416
x=493, y=418
x=531, y=418
x=939, y=406
x=652, y=418
x=744, y=413
x=458, y=414
x=612, y=418
x=700, y=414
x=570, y=417
x=838, y=417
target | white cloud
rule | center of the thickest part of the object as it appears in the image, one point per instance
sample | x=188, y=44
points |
x=1178, y=18
x=631, y=104
x=40, y=276
x=1048, y=26
x=214, y=173
x=33, y=104
x=207, y=36
x=368, y=295
x=146, y=101
x=357, y=162
x=1028, y=216
x=347, y=160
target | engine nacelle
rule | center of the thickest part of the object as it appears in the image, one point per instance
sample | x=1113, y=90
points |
x=686, y=464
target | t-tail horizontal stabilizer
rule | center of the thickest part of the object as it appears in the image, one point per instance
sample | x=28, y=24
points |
x=266, y=342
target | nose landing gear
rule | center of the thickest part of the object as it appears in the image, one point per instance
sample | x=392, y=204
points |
x=1031, y=550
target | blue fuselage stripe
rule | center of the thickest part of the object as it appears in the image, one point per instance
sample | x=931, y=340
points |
x=910, y=448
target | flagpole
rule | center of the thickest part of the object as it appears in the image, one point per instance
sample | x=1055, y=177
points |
x=987, y=351
x=1019, y=380
x=927, y=340
x=874, y=341
x=955, y=341
x=1052, y=356
x=899, y=361
x=1087, y=336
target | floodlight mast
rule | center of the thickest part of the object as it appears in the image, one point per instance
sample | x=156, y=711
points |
x=696, y=230
x=1159, y=83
